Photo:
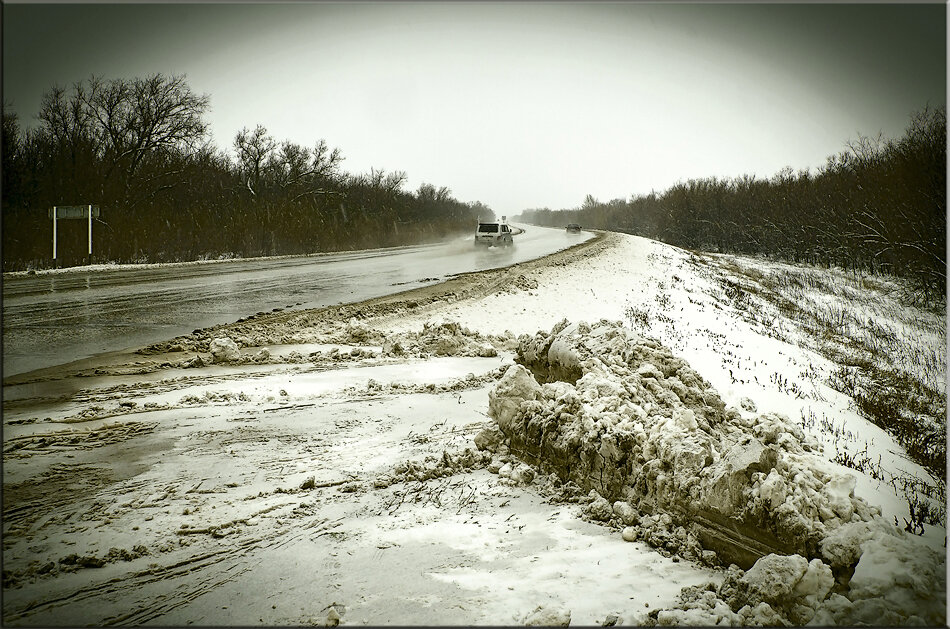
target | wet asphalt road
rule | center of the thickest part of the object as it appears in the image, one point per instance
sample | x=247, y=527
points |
x=55, y=318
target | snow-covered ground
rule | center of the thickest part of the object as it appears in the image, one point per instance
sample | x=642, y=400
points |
x=338, y=470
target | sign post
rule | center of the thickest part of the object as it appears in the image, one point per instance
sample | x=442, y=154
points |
x=74, y=211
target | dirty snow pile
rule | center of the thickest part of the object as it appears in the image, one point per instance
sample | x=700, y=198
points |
x=434, y=339
x=447, y=464
x=620, y=416
x=437, y=339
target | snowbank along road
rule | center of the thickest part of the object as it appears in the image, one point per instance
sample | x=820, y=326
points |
x=620, y=433
x=54, y=317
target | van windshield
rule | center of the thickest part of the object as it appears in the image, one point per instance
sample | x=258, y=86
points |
x=488, y=227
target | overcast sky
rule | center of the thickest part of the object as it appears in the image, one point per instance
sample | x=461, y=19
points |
x=516, y=105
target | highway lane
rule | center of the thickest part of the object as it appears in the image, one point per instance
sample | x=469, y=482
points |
x=55, y=318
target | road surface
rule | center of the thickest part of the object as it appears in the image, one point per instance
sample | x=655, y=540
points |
x=55, y=318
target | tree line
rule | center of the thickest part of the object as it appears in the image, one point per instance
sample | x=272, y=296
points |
x=877, y=206
x=140, y=150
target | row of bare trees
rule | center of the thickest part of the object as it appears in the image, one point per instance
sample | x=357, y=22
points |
x=139, y=149
x=877, y=206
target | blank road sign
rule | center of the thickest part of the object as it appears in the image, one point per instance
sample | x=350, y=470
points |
x=74, y=211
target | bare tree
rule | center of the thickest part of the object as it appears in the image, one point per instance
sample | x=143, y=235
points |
x=119, y=124
x=65, y=118
x=255, y=150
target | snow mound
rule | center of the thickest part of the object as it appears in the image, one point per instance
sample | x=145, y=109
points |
x=448, y=464
x=893, y=585
x=224, y=350
x=785, y=581
x=359, y=332
x=436, y=338
x=621, y=415
x=445, y=338
x=548, y=616
x=513, y=472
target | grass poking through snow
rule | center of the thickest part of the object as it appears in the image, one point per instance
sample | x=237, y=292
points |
x=889, y=346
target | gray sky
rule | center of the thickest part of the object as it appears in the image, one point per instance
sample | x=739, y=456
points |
x=516, y=105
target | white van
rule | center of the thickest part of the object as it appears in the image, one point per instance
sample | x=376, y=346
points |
x=493, y=234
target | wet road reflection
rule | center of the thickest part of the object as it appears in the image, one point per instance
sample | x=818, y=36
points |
x=51, y=319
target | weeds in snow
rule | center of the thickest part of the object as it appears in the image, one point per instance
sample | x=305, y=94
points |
x=639, y=319
x=900, y=406
x=827, y=426
x=783, y=385
x=890, y=350
x=861, y=462
x=923, y=511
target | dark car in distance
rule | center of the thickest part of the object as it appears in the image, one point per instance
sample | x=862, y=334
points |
x=573, y=228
